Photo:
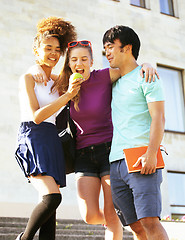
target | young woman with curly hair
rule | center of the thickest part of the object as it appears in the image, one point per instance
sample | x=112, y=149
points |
x=39, y=152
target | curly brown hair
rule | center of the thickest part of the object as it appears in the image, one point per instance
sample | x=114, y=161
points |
x=57, y=27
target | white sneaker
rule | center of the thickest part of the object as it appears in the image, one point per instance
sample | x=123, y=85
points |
x=19, y=236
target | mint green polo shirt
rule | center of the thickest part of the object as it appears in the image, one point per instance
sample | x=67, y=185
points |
x=130, y=115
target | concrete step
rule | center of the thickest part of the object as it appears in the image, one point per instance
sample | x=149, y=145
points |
x=66, y=229
x=58, y=237
x=58, y=231
x=63, y=237
x=58, y=226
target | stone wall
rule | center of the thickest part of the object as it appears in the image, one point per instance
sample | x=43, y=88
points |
x=162, y=38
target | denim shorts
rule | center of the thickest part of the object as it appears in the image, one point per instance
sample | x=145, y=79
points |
x=93, y=160
x=135, y=196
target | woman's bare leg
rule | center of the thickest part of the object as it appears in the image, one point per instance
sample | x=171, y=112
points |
x=88, y=199
x=114, y=228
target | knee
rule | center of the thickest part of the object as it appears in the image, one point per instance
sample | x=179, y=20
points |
x=52, y=200
x=58, y=199
x=137, y=228
x=150, y=222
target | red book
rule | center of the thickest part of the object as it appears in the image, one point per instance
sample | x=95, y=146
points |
x=132, y=155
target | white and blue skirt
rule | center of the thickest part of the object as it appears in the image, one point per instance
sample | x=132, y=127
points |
x=39, y=151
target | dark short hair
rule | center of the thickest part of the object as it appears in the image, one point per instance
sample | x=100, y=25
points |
x=126, y=36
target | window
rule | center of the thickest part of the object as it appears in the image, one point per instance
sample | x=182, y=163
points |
x=176, y=186
x=167, y=7
x=174, y=98
x=139, y=3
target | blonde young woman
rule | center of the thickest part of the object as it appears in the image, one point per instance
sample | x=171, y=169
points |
x=91, y=112
x=39, y=151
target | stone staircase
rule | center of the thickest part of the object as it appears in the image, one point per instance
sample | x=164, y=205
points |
x=66, y=230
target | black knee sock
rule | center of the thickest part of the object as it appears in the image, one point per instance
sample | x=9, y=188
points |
x=47, y=230
x=42, y=212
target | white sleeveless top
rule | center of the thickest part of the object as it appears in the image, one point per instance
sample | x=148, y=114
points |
x=44, y=97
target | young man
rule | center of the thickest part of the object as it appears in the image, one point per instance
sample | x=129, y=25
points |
x=138, y=120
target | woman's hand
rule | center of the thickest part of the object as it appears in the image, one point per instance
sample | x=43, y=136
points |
x=74, y=86
x=38, y=74
x=40, y=78
x=149, y=71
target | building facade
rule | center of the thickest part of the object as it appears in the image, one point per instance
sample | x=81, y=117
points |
x=160, y=25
